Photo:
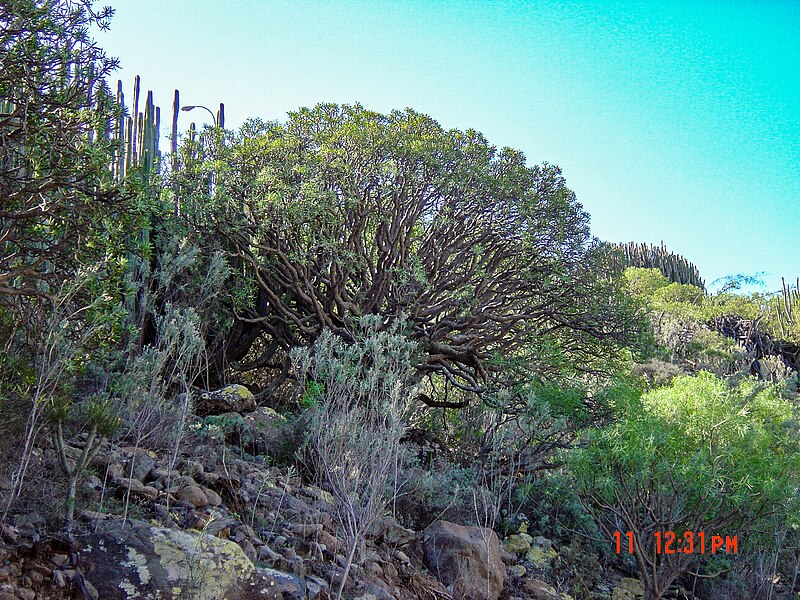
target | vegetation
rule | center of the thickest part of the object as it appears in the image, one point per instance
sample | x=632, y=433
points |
x=341, y=212
x=696, y=457
x=430, y=314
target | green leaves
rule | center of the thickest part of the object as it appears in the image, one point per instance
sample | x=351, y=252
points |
x=697, y=454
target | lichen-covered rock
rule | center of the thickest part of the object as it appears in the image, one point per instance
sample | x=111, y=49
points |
x=467, y=560
x=540, y=558
x=143, y=562
x=628, y=589
x=232, y=398
x=518, y=543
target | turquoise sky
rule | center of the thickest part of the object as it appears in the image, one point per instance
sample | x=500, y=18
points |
x=676, y=121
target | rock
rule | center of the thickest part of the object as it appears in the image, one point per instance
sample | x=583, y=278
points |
x=540, y=558
x=58, y=579
x=137, y=560
x=137, y=489
x=25, y=594
x=213, y=498
x=517, y=543
x=518, y=571
x=141, y=463
x=315, y=586
x=389, y=531
x=401, y=556
x=115, y=471
x=193, y=494
x=541, y=542
x=628, y=589
x=263, y=431
x=232, y=398
x=465, y=559
x=291, y=587
x=7, y=592
x=536, y=589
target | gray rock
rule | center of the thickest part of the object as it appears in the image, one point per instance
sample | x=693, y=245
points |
x=140, y=561
x=466, y=560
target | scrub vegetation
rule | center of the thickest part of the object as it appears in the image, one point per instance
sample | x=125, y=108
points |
x=428, y=312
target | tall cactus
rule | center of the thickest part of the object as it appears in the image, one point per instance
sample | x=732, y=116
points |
x=789, y=307
x=673, y=266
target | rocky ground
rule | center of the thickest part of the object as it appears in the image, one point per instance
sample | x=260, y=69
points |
x=222, y=524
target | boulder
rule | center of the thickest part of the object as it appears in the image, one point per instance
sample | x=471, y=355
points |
x=628, y=589
x=140, y=465
x=138, y=560
x=389, y=531
x=519, y=543
x=193, y=494
x=232, y=398
x=536, y=589
x=467, y=560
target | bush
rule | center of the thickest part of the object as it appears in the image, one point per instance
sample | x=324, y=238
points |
x=359, y=407
x=695, y=456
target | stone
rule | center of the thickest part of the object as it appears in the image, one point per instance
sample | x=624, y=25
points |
x=290, y=586
x=518, y=570
x=389, y=531
x=541, y=542
x=540, y=558
x=137, y=489
x=263, y=432
x=232, y=398
x=138, y=560
x=193, y=494
x=536, y=589
x=58, y=579
x=517, y=544
x=141, y=463
x=213, y=498
x=466, y=560
x=25, y=594
x=628, y=589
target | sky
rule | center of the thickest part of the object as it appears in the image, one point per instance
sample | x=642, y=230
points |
x=674, y=121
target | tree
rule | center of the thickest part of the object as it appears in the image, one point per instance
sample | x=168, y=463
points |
x=53, y=163
x=341, y=212
x=697, y=456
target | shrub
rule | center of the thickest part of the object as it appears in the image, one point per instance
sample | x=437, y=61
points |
x=695, y=456
x=358, y=415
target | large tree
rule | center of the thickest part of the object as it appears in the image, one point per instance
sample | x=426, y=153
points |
x=340, y=212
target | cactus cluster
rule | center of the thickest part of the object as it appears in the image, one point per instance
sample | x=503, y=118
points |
x=673, y=266
x=138, y=134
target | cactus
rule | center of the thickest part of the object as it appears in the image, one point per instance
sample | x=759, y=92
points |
x=789, y=307
x=673, y=266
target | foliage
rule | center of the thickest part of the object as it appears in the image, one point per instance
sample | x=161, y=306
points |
x=341, y=212
x=698, y=456
x=54, y=176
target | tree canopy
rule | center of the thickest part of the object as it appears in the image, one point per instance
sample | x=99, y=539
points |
x=341, y=212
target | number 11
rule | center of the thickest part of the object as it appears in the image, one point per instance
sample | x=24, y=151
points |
x=618, y=539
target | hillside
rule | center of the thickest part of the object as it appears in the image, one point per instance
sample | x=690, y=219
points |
x=351, y=354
